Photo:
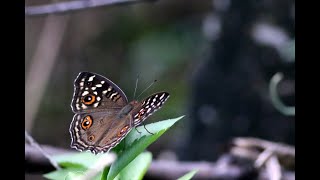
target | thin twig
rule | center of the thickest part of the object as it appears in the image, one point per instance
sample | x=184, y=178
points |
x=62, y=7
x=273, y=168
x=260, y=151
x=37, y=146
x=277, y=147
x=263, y=158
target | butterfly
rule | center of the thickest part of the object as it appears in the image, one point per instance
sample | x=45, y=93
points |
x=103, y=115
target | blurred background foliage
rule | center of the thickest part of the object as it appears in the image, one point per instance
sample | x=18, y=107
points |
x=215, y=58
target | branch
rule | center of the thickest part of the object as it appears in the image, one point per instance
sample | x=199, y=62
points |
x=164, y=169
x=260, y=151
x=255, y=143
x=62, y=7
x=38, y=147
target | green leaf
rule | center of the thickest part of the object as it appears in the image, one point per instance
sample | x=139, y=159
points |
x=105, y=173
x=74, y=164
x=68, y=174
x=137, y=168
x=136, y=143
x=59, y=174
x=188, y=176
x=77, y=160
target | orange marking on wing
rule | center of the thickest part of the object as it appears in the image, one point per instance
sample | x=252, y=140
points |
x=123, y=130
x=89, y=99
x=86, y=123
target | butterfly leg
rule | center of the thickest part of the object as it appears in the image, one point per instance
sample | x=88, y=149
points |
x=138, y=131
x=147, y=130
x=132, y=124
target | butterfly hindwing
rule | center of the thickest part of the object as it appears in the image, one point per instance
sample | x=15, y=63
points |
x=98, y=132
x=149, y=106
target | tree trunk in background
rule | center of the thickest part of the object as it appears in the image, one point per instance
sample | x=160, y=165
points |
x=230, y=89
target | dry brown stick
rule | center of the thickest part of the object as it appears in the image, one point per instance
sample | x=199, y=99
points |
x=273, y=168
x=42, y=63
x=65, y=6
x=278, y=148
x=261, y=150
x=165, y=169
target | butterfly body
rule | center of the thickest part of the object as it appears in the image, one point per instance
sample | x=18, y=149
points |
x=103, y=115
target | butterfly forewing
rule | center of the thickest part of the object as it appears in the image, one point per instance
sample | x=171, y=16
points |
x=93, y=92
x=149, y=106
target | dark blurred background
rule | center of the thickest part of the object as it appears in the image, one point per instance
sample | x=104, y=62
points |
x=216, y=58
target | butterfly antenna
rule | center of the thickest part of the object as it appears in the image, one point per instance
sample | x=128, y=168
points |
x=147, y=88
x=135, y=89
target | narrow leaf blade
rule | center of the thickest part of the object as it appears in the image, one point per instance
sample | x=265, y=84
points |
x=138, y=142
x=188, y=176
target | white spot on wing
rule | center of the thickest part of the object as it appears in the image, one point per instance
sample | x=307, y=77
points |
x=95, y=92
x=102, y=82
x=96, y=104
x=91, y=78
x=105, y=91
x=98, y=98
x=81, y=83
x=85, y=93
x=84, y=106
x=162, y=96
x=94, y=88
x=149, y=110
x=99, y=85
x=113, y=94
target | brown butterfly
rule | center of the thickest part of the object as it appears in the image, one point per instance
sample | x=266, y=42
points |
x=103, y=115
